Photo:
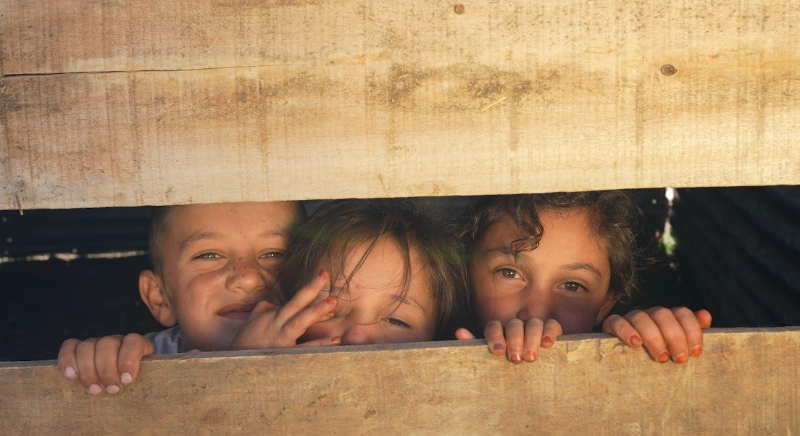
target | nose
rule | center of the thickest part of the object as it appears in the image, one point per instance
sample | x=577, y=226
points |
x=356, y=334
x=537, y=303
x=244, y=275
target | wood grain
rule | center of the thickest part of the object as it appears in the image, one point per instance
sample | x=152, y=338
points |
x=124, y=103
x=746, y=382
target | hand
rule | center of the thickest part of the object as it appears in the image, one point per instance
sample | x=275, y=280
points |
x=522, y=339
x=277, y=327
x=665, y=333
x=104, y=364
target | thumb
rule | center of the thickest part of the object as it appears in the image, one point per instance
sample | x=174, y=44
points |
x=463, y=334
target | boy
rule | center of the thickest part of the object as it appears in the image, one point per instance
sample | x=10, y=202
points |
x=212, y=265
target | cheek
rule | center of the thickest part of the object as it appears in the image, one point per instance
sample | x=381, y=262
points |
x=577, y=317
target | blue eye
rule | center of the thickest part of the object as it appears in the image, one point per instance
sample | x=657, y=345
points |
x=398, y=323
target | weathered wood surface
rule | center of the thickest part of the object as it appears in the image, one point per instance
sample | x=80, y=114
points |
x=149, y=102
x=745, y=383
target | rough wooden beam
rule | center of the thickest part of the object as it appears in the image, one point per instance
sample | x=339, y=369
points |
x=745, y=383
x=148, y=102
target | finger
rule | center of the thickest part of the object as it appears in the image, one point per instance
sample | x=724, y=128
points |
x=84, y=355
x=297, y=325
x=552, y=330
x=651, y=335
x=322, y=342
x=463, y=334
x=261, y=307
x=693, y=333
x=515, y=339
x=672, y=332
x=703, y=318
x=534, y=328
x=105, y=362
x=133, y=348
x=618, y=326
x=66, y=359
x=495, y=339
x=303, y=297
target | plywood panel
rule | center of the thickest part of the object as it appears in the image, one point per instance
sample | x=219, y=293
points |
x=745, y=383
x=137, y=103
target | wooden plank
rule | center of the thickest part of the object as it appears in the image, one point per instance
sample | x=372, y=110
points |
x=136, y=103
x=745, y=383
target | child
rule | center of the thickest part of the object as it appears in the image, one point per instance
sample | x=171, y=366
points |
x=543, y=264
x=397, y=278
x=212, y=263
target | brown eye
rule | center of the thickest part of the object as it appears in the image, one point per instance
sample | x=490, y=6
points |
x=572, y=286
x=508, y=273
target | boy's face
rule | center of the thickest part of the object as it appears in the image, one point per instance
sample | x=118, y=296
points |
x=565, y=278
x=219, y=261
x=371, y=310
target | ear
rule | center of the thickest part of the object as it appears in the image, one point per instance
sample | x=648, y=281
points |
x=607, y=306
x=152, y=291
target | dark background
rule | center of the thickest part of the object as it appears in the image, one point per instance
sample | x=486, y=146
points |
x=737, y=255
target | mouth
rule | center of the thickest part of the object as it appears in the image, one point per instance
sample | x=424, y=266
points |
x=237, y=312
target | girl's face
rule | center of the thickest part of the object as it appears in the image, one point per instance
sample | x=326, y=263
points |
x=372, y=309
x=565, y=278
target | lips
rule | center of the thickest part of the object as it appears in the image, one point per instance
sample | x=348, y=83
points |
x=238, y=312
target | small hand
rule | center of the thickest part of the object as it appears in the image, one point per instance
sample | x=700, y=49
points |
x=521, y=340
x=104, y=364
x=665, y=333
x=277, y=327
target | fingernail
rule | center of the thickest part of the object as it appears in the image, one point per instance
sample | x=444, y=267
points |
x=516, y=358
x=663, y=357
x=547, y=341
x=331, y=314
x=126, y=378
x=95, y=390
x=499, y=347
x=112, y=389
x=635, y=341
x=321, y=273
x=335, y=340
x=681, y=358
x=70, y=373
x=697, y=350
x=331, y=300
x=530, y=356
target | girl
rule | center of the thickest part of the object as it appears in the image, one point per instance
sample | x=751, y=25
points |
x=367, y=271
x=546, y=264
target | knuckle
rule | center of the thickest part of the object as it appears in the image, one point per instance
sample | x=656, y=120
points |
x=514, y=322
x=637, y=316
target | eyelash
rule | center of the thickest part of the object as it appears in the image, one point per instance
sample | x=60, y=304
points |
x=515, y=272
x=398, y=323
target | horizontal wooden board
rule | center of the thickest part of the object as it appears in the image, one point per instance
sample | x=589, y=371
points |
x=127, y=103
x=745, y=383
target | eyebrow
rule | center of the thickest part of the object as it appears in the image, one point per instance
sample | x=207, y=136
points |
x=497, y=252
x=583, y=266
x=408, y=300
x=201, y=236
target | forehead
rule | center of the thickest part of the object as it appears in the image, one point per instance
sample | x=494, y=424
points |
x=249, y=218
x=383, y=272
x=568, y=234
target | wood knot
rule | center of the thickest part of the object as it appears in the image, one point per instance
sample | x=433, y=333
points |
x=668, y=69
x=459, y=9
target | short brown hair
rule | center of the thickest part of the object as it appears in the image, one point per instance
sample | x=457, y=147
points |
x=614, y=216
x=338, y=227
x=159, y=229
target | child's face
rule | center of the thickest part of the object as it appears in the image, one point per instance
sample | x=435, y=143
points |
x=219, y=261
x=371, y=310
x=565, y=278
